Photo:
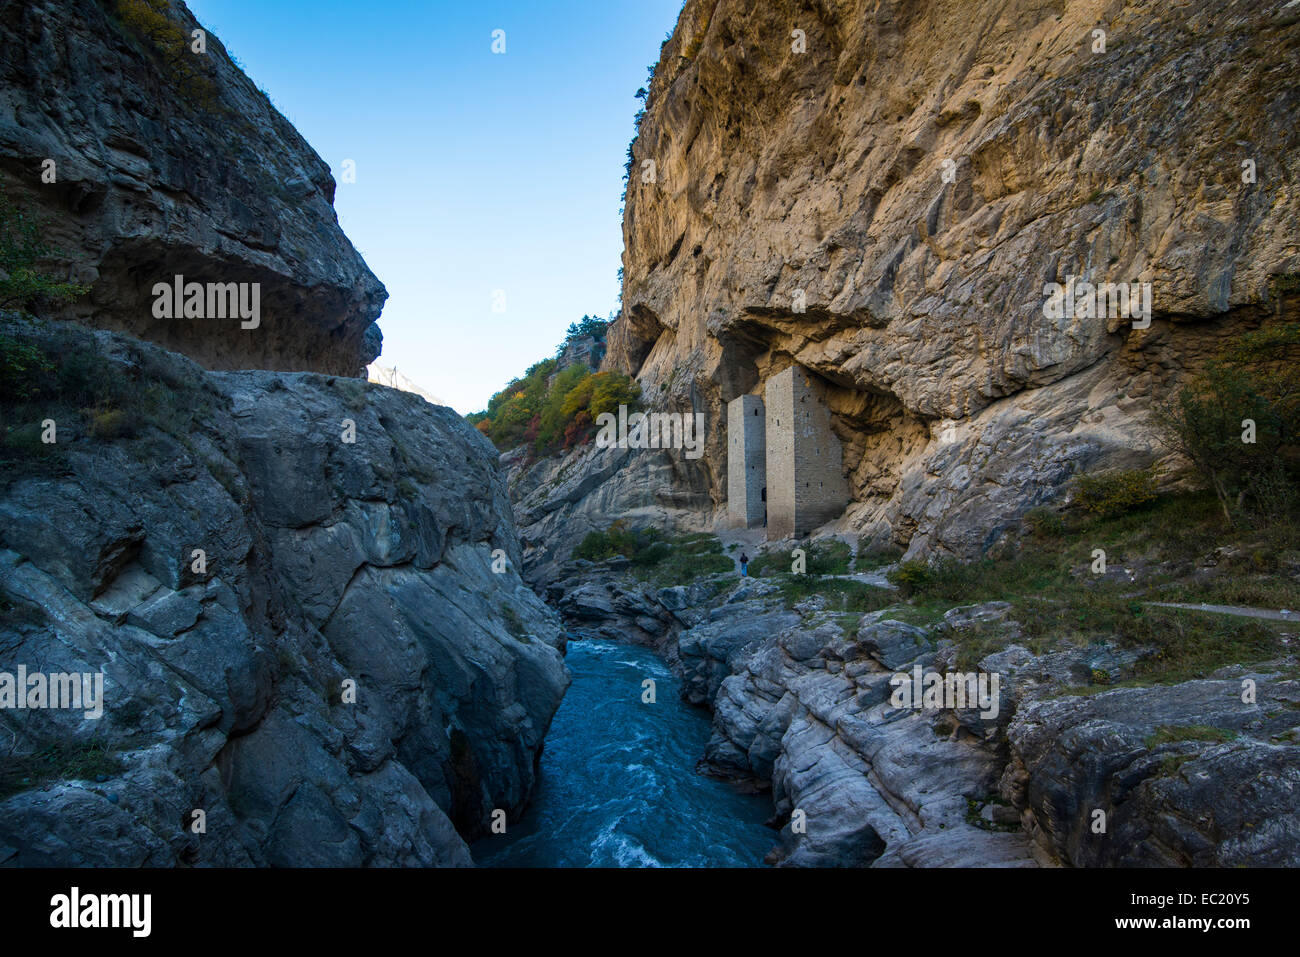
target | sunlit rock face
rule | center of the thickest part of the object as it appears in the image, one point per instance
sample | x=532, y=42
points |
x=177, y=168
x=886, y=208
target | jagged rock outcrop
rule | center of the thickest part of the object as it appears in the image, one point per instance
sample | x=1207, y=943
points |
x=806, y=710
x=1192, y=775
x=172, y=162
x=884, y=204
x=559, y=499
x=325, y=561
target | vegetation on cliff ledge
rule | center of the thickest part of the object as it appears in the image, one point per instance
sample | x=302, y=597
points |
x=553, y=407
x=23, y=283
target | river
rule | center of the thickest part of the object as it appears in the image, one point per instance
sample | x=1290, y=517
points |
x=618, y=786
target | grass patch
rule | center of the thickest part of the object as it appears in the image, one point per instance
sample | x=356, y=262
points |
x=514, y=624
x=1256, y=589
x=1057, y=600
x=1172, y=763
x=869, y=559
x=61, y=374
x=921, y=614
x=658, y=557
x=770, y=564
x=829, y=557
x=826, y=557
x=1171, y=734
x=973, y=808
x=1182, y=644
x=57, y=762
x=840, y=594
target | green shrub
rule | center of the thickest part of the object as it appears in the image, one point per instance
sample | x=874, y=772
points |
x=514, y=624
x=872, y=558
x=59, y=373
x=1116, y=493
x=110, y=424
x=912, y=577
x=22, y=443
x=598, y=546
x=827, y=557
x=770, y=563
x=840, y=594
x=24, y=370
x=190, y=73
x=682, y=568
x=1044, y=523
x=22, y=248
x=62, y=761
x=830, y=557
x=654, y=555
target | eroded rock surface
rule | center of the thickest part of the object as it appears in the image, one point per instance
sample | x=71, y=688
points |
x=170, y=162
x=801, y=695
x=324, y=562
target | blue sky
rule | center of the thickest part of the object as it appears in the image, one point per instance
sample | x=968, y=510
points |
x=476, y=171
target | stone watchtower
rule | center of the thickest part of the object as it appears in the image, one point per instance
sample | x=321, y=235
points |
x=805, y=477
x=746, y=462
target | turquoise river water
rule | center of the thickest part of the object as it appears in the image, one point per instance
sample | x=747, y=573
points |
x=618, y=786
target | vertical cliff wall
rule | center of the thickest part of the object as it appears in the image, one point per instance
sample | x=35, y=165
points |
x=879, y=191
x=300, y=590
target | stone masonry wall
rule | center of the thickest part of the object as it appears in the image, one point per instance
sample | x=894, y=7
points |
x=805, y=478
x=746, y=462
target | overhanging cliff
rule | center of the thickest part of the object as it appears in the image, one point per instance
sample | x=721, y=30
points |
x=167, y=162
x=880, y=191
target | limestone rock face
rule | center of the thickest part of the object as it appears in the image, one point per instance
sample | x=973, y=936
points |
x=327, y=565
x=160, y=174
x=885, y=205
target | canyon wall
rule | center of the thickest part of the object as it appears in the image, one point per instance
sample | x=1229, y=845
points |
x=300, y=589
x=172, y=162
x=879, y=191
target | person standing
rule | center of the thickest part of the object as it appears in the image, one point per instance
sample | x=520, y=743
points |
x=744, y=565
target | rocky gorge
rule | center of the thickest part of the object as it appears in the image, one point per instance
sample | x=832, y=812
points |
x=331, y=618
x=883, y=202
x=801, y=698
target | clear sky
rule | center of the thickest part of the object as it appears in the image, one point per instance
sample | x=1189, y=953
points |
x=475, y=171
